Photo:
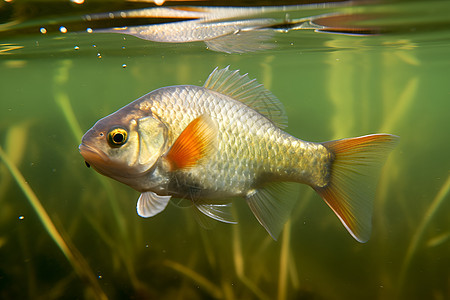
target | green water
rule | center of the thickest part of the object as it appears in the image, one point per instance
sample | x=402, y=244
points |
x=80, y=236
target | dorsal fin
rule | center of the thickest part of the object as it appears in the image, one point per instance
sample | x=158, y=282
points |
x=248, y=91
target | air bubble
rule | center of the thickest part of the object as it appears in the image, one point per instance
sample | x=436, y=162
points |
x=43, y=30
x=63, y=29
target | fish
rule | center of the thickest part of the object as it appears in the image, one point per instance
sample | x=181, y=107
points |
x=224, y=142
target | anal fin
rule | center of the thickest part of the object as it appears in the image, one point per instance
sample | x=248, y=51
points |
x=271, y=206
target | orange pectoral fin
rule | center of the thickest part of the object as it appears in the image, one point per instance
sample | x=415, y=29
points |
x=196, y=141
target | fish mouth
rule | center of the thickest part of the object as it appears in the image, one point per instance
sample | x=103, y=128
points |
x=92, y=156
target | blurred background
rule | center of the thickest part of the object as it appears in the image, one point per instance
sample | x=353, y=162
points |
x=355, y=68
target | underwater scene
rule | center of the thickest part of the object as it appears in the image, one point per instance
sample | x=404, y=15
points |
x=340, y=69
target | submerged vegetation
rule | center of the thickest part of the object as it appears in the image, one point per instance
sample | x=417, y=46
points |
x=65, y=230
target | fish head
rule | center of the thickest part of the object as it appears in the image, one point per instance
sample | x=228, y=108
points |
x=124, y=145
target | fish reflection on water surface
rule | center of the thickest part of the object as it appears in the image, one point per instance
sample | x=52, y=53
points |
x=231, y=29
x=224, y=140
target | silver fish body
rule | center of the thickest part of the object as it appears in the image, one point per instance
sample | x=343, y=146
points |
x=225, y=140
x=251, y=149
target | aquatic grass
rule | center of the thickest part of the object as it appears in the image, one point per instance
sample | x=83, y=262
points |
x=341, y=95
x=393, y=115
x=214, y=290
x=122, y=255
x=58, y=290
x=267, y=72
x=26, y=251
x=80, y=266
x=284, y=262
x=209, y=248
x=63, y=101
x=239, y=264
x=228, y=293
x=15, y=146
x=293, y=271
x=438, y=240
x=417, y=237
x=60, y=79
x=217, y=288
x=287, y=268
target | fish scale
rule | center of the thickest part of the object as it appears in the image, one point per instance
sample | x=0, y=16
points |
x=249, y=142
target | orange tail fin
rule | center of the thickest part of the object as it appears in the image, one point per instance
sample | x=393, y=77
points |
x=354, y=175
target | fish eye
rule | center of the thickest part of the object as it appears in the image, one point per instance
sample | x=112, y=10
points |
x=117, y=137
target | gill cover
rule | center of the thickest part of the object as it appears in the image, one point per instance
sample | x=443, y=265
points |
x=152, y=141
